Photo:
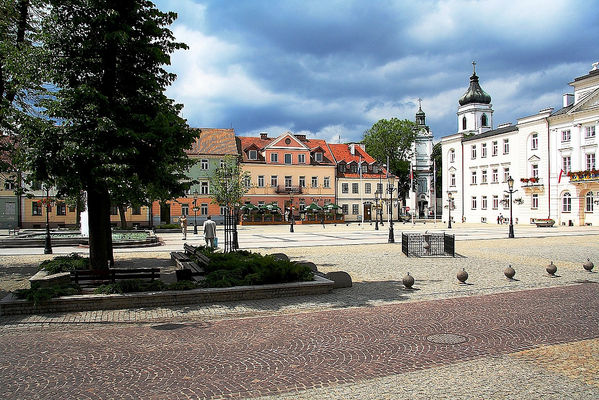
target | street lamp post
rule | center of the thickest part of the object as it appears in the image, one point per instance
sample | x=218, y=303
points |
x=449, y=203
x=391, y=234
x=511, y=191
x=376, y=210
x=195, y=212
x=48, y=243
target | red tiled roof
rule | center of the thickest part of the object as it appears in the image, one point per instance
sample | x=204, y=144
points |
x=342, y=153
x=247, y=141
x=214, y=141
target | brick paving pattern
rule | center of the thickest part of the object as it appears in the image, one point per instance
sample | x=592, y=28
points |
x=270, y=355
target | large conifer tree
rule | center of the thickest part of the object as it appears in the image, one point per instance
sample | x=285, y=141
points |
x=112, y=130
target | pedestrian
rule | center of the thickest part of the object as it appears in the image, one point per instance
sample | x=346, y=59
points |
x=183, y=223
x=209, y=232
x=500, y=218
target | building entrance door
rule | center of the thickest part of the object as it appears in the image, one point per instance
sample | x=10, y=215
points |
x=367, y=212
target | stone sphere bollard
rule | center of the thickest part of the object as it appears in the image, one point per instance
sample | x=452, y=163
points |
x=462, y=276
x=408, y=281
x=551, y=269
x=588, y=265
x=509, y=272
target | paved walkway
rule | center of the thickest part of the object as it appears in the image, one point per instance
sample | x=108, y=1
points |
x=320, y=354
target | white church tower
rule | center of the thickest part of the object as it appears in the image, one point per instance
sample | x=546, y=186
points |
x=475, y=114
x=421, y=198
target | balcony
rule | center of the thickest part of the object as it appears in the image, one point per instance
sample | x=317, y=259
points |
x=288, y=190
x=590, y=175
x=530, y=182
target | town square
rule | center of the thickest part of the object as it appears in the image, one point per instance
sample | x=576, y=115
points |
x=299, y=200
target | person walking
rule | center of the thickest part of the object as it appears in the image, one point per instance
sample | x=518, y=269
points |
x=183, y=222
x=209, y=232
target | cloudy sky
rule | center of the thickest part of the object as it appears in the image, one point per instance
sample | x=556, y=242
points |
x=332, y=68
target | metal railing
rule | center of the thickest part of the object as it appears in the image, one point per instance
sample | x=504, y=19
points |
x=427, y=244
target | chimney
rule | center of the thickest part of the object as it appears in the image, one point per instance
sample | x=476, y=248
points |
x=301, y=137
x=568, y=99
x=263, y=135
x=352, y=149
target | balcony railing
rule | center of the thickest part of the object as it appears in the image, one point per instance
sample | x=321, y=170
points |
x=288, y=189
x=590, y=175
x=531, y=182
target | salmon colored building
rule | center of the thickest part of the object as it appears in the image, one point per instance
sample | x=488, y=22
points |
x=288, y=170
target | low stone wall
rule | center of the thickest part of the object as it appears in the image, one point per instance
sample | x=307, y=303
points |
x=10, y=305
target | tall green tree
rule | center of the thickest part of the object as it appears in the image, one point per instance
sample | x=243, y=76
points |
x=229, y=183
x=436, y=156
x=112, y=132
x=392, y=139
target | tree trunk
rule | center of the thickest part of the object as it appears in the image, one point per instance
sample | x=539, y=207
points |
x=122, y=210
x=100, y=243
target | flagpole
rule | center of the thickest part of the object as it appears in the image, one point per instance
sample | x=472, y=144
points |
x=361, y=191
x=413, y=191
x=435, y=190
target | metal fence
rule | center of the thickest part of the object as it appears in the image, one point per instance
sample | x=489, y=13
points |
x=230, y=225
x=428, y=244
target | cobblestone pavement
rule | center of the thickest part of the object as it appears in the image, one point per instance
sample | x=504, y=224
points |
x=322, y=354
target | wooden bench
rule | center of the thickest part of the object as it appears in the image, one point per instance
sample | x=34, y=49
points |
x=13, y=232
x=195, y=251
x=112, y=274
x=178, y=256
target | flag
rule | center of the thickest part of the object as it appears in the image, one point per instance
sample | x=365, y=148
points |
x=561, y=171
x=360, y=167
x=411, y=176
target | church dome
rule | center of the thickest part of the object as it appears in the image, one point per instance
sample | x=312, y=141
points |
x=475, y=94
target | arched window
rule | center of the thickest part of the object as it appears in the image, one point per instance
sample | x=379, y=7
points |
x=451, y=155
x=483, y=120
x=589, y=202
x=464, y=123
x=567, y=202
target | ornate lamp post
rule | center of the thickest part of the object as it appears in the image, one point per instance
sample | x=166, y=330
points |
x=449, y=203
x=195, y=212
x=48, y=243
x=376, y=210
x=511, y=191
x=390, y=189
x=291, y=218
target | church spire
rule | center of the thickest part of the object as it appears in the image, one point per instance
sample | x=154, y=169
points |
x=475, y=94
x=420, y=116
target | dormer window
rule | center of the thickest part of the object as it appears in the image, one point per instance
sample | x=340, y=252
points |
x=318, y=157
x=253, y=155
x=342, y=168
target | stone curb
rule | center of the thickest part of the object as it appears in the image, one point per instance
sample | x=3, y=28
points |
x=10, y=305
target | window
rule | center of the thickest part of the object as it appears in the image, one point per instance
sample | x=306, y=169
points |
x=483, y=203
x=222, y=163
x=114, y=210
x=302, y=205
x=494, y=148
x=474, y=202
x=204, y=209
x=567, y=202
x=185, y=209
x=274, y=158
x=287, y=158
x=301, y=158
x=302, y=181
x=589, y=131
x=534, y=143
x=483, y=150
x=506, y=146
x=464, y=125
x=379, y=188
x=495, y=202
x=589, y=202
x=534, y=203
x=274, y=181
x=345, y=188
x=354, y=188
x=247, y=182
x=326, y=182
x=452, y=180
x=223, y=210
x=590, y=157
x=61, y=209
x=9, y=185
x=452, y=155
x=344, y=209
x=566, y=163
x=204, y=164
x=367, y=188
x=204, y=189
x=506, y=174
x=473, y=181
x=36, y=208
x=136, y=210
x=10, y=208
x=483, y=120
x=566, y=135
x=355, y=210
x=318, y=157
x=535, y=171
x=473, y=152
x=483, y=176
x=314, y=181
x=260, y=180
x=287, y=181
x=253, y=155
x=495, y=176
x=341, y=168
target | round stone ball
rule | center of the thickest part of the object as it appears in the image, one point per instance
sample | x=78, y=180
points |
x=462, y=275
x=408, y=281
x=588, y=265
x=551, y=268
x=509, y=272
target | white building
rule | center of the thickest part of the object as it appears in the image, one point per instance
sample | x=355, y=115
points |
x=478, y=160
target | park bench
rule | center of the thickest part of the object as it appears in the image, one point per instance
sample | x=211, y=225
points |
x=90, y=276
x=178, y=256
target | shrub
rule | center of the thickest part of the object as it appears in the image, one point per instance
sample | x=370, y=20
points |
x=168, y=226
x=130, y=285
x=42, y=294
x=64, y=264
x=183, y=285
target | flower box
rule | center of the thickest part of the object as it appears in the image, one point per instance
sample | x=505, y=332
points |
x=544, y=222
